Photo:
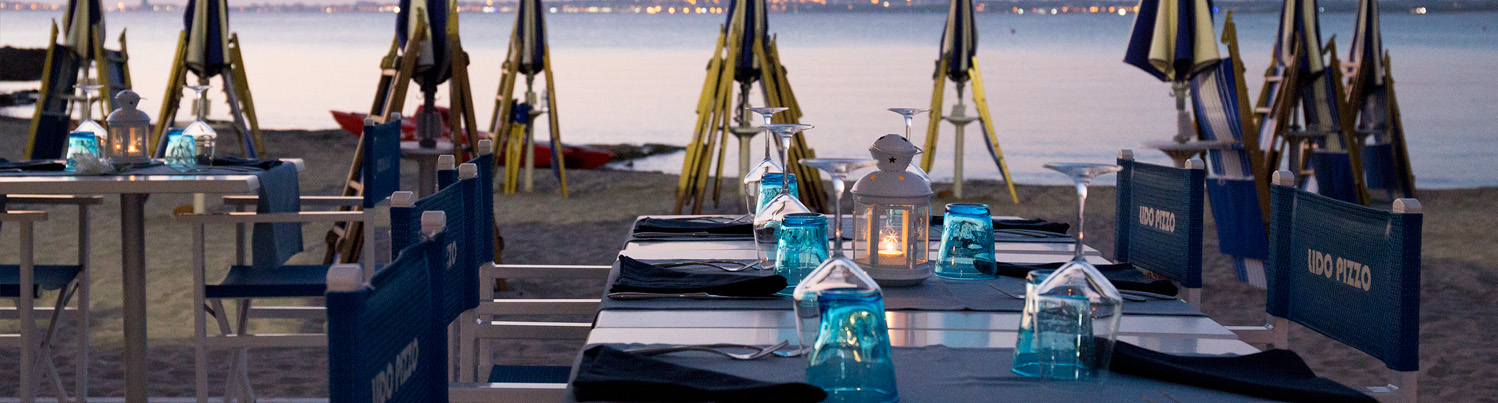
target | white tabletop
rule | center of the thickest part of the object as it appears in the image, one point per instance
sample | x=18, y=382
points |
x=133, y=184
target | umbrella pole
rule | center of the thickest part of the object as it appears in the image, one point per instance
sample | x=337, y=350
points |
x=1184, y=127
x=530, y=138
x=745, y=133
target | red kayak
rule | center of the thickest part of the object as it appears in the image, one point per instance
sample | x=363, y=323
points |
x=575, y=157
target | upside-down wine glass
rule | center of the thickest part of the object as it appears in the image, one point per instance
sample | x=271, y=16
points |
x=88, y=124
x=767, y=165
x=839, y=168
x=202, y=134
x=1070, y=321
x=909, y=115
x=767, y=220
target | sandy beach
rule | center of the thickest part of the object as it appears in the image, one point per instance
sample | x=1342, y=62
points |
x=1460, y=264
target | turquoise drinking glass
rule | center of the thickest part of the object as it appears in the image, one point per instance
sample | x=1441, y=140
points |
x=851, y=358
x=966, y=238
x=82, y=144
x=181, y=150
x=769, y=187
x=802, y=247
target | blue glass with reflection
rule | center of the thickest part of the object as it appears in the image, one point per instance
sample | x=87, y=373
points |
x=802, y=247
x=82, y=144
x=966, y=238
x=851, y=357
x=769, y=187
x=181, y=151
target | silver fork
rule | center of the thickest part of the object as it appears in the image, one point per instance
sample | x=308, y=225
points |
x=715, y=263
x=714, y=348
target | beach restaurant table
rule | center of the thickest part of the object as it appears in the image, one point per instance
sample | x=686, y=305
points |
x=1166, y=326
x=132, y=190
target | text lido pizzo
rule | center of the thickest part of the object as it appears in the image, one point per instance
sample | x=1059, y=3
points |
x=1158, y=219
x=1341, y=269
x=396, y=372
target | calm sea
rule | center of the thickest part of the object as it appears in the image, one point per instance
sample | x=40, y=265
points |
x=1056, y=86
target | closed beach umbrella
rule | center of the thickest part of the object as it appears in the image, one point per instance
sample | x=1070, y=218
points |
x=1368, y=45
x=531, y=28
x=207, y=23
x=1298, y=20
x=751, y=13
x=81, y=20
x=1173, y=39
x=959, y=42
x=434, y=62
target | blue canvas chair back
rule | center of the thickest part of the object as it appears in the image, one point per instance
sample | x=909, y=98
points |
x=382, y=165
x=1160, y=219
x=384, y=345
x=1331, y=162
x=1231, y=185
x=1347, y=271
x=456, y=256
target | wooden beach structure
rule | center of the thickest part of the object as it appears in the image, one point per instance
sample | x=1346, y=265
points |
x=207, y=48
x=1300, y=83
x=528, y=55
x=745, y=53
x=958, y=62
x=426, y=49
x=67, y=64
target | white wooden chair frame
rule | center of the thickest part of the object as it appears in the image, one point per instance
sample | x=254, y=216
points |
x=238, y=336
x=36, y=348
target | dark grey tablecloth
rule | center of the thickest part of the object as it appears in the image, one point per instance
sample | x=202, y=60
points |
x=934, y=294
x=945, y=374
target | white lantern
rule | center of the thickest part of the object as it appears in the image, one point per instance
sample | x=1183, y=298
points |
x=892, y=217
x=128, y=128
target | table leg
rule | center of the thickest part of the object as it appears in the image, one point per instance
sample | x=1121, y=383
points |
x=133, y=265
x=426, y=175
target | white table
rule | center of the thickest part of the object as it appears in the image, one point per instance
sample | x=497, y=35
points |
x=132, y=190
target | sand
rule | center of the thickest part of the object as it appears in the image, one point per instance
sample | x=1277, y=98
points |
x=1460, y=261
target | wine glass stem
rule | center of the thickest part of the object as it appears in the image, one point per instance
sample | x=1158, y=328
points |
x=907, y=126
x=202, y=106
x=837, y=216
x=1081, y=216
x=785, y=159
x=769, y=143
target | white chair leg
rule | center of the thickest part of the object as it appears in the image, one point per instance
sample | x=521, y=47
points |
x=83, y=301
x=467, y=347
x=44, y=353
x=221, y=316
x=1194, y=298
x=242, y=358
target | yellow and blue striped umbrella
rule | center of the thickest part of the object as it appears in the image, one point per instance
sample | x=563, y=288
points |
x=82, y=22
x=756, y=26
x=959, y=40
x=1173, y=39
x=207, y=23
x=531, y=28
x=435, y=60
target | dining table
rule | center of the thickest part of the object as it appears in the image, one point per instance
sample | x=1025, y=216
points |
x=944, y=314
x=133, y=189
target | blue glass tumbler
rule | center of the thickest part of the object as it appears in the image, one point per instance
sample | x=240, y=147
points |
x=802, y=247
x=769, y=187
x=966, y=238
x=851, y=357
x=181, y=151
x=83, y=145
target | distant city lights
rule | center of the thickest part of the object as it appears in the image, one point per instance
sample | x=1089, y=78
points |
x=668, y=7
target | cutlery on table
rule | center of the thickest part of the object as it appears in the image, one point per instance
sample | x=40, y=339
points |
x=631, y=296
x=1145, y=294
x=714, y=348
x=1121, y=293
x=737, y=265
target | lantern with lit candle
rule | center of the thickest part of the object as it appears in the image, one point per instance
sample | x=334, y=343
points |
x=892, y=217
x=127, y=130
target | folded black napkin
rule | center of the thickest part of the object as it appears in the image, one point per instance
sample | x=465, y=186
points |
x=637, y=276
x=607, y=373
x=689, y=225
x=1123, y=275
x=1031, y=224
x=1274, y=374
x=266, y=164
x=37, y=165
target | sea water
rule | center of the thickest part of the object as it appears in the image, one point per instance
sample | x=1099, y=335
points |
x=851, y=358
x=1055, y=339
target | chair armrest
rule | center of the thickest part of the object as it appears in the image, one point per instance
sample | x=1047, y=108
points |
x=492, y=270
x=336, y=201
x=249, y=218
x=506, y=392
x=23, y=216
x=538, y=307
x=56, y=200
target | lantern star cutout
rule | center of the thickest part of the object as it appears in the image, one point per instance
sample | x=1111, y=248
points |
x=891, y=160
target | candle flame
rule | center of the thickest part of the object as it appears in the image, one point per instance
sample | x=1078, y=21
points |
x=889, y=244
